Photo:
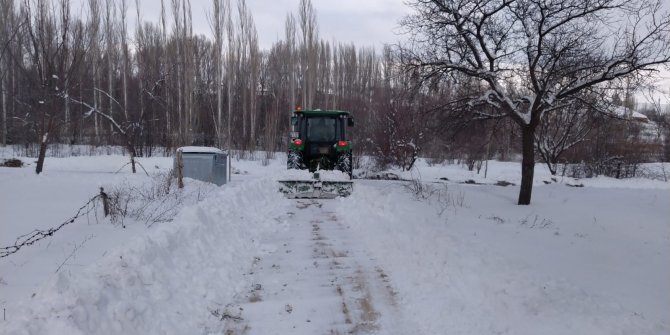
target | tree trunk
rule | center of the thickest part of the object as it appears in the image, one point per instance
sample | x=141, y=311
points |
x=67, y=128
x=218, y=37
x=125, y=58
x=133, y=154
x=553, y=166
x=3, y=101
x=164, y=59
x=110, y=87
x=42, y=154
x=290, y=41
x=527, y=164
x=110, y=36
x=180, y=169
x=95, y=105
x=228, y=64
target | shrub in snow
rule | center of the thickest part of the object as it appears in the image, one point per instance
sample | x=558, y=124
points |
x=438, y=194
x=12, y=162
x=504, y=183
x=159, y=200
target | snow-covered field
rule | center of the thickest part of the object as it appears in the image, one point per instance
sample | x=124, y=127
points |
x=396, y=257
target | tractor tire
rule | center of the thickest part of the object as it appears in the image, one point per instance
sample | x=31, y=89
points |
x=294, y=160
x=345, y=164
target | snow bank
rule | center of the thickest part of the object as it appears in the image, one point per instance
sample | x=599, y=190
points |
x=511, y=172
x=577, y=261
x=157, y=283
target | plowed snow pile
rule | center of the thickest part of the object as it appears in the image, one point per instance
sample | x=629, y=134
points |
x=165, y=282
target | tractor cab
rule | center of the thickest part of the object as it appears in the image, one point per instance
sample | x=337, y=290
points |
x=319, y=141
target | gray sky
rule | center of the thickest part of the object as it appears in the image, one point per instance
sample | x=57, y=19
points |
x=363, y=22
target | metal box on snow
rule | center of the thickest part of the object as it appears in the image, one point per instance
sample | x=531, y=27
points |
x=203, y=163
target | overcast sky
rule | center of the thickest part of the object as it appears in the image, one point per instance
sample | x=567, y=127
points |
x=363, y=22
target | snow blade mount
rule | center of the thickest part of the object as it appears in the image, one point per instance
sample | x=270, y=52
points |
x=316, y=188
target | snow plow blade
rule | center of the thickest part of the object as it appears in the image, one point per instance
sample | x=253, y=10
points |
x=315, y=189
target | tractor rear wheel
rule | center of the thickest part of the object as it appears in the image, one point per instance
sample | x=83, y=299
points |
x=345, y=164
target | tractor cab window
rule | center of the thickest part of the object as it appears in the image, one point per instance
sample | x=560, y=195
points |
x=321, y=129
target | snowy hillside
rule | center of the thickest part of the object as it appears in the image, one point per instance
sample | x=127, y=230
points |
x=396, y=257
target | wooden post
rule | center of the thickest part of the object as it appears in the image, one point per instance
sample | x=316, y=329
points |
x=105, y=201
x=180, y=169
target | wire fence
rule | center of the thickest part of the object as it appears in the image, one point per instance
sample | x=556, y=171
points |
x=38, y=234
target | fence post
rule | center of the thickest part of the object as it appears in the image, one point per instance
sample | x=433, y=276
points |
x=180, y=169
x=105, y=201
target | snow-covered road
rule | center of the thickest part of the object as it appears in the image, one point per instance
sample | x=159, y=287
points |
x=314, y=279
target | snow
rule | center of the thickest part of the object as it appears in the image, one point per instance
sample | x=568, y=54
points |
x=639, y=116
x=629, y=113
x=523, y=115
x=510, y=172
x=187, y=266
x=193, y=149
x=454, y=258
x=570, y=263
x=293, y=174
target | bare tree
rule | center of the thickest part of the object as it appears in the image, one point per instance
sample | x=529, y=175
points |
x=230, y=73
x=289, y=30
x=398, y=125
x=163, y=23
x=242, y=69
x=555, y=50
x=110, y=42
x=178, y=32
x=254, y=71
x=56, y=49
x=218, y=25
x=324, y=76
x=123, y=131
x=7, y=32
x=125, y=56
x=94, y=57
x=309, y=51
x=562, y=130
x=190, y=118
x=140, y=46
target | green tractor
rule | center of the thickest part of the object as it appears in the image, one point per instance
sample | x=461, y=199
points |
x=319, y=142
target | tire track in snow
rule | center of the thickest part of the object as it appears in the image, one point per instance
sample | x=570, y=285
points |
x=314, y=280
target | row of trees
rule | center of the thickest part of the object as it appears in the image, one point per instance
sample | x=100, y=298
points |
x=477, y=77
x=88, y=79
